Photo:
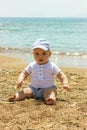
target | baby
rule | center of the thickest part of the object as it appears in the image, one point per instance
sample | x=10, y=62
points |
x=42, y=73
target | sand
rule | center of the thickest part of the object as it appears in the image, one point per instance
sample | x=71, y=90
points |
x=69, y=112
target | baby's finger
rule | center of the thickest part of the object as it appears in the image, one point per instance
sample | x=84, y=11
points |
x=66, y=88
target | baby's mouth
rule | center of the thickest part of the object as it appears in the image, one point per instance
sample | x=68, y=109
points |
x=41, y=60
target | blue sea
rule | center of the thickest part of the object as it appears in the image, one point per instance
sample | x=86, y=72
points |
x=68, y=38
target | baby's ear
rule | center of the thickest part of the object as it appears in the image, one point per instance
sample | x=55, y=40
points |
x=50, y=53
x=32, y=52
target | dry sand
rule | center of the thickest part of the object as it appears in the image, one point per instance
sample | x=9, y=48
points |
x=69, y=113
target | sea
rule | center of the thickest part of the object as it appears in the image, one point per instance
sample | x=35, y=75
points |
x=67, y=36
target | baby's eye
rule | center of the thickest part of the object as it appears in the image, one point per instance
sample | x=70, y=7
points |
x=37, y=54
x=44, y=53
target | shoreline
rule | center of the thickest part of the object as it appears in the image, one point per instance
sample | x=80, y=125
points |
x=7, y=61
x=60, y=60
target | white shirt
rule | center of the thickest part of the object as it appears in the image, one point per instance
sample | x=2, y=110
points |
x=42, y=76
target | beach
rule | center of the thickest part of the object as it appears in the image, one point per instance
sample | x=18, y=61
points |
x=69, y=112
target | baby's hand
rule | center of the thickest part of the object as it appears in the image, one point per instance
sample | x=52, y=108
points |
x=67, y=87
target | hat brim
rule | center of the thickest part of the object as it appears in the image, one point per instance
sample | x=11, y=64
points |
x=41, y=47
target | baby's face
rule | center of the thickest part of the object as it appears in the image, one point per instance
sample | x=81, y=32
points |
x=41, y=56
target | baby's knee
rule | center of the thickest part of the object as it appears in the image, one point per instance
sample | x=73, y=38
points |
x=28, y=93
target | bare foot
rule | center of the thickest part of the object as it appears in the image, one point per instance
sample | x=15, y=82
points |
x=12, y=99
x=49, y=101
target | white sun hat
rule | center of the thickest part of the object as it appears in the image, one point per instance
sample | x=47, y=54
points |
x=41, y=43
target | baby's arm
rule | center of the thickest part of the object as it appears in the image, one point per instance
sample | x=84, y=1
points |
x=64, y=80
x=21, y=78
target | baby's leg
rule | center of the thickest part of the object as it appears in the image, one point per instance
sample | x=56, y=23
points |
x=50, y=95
x=25, y=93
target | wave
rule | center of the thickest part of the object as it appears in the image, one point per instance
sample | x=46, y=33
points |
x=55, y=53
x=77, y=54
x=13, y=50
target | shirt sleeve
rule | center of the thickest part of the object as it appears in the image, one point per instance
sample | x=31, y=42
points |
x=28, y=69
x=56, y=69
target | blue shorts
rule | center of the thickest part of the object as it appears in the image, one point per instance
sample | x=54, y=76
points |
x=38, y=92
